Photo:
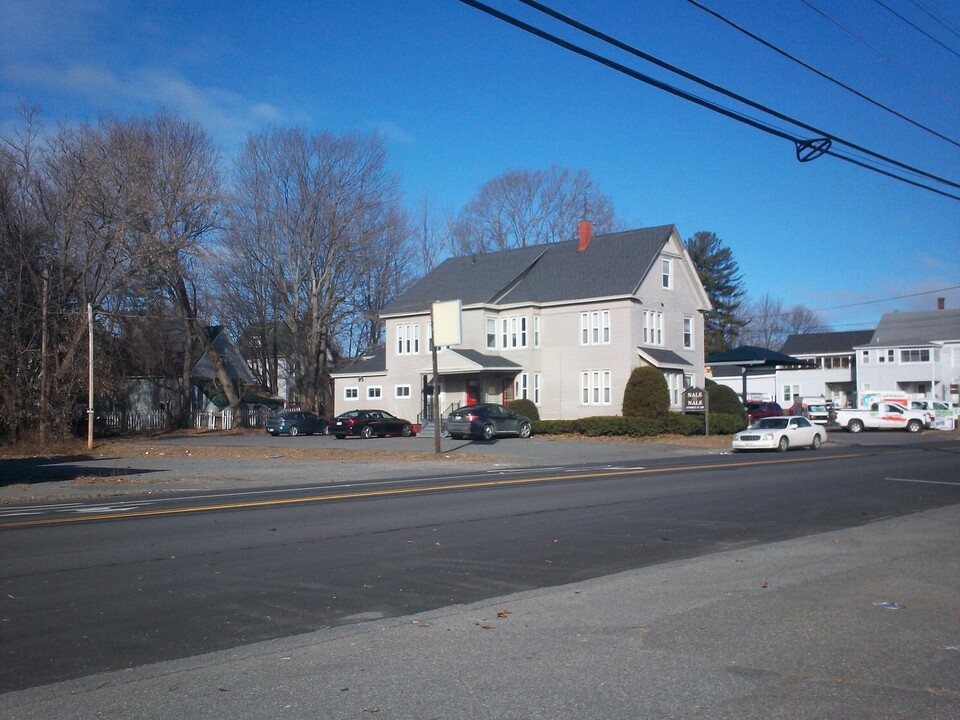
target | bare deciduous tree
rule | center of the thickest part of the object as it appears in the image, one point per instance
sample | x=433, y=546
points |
x=313, y=207
x=523, y=207
x=770, y=322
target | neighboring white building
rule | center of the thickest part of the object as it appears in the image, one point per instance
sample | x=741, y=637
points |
x=834, y=374
x=913, y=352
x=562, y=324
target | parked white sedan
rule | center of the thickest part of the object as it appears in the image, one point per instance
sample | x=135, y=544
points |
x=779, y=433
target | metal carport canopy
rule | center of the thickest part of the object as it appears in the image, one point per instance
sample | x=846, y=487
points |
x=749, y=357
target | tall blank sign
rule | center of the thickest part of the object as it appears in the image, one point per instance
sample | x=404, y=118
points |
x=447, y=325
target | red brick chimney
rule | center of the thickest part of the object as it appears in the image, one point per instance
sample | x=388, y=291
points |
x=586, y=233
x=941, y=303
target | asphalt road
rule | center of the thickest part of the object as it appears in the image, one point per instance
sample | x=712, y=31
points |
x=80, y=597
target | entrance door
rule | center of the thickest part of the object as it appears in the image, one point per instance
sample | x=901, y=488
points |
x=473, y=391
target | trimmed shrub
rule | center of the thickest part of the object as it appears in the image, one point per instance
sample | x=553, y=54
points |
x=646, y=394
x=723, y=400
x=526, y=408
x=726, y=423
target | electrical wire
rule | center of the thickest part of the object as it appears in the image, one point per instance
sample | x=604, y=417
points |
x=889, y=58
x=806, y=149
x=916, y=27
x=936, y=18
x=716, y=88
x=822, y=74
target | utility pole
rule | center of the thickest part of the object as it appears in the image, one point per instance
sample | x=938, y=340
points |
x=90, y=378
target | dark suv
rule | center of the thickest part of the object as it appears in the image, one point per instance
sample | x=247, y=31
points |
x=486, y=422
x=757, y=410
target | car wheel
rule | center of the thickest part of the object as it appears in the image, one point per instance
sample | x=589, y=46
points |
x=815, y=445
x=366, y=433
x=487, y=432
x=525, y=430
x=406, y=431
x=855, y=426
x=784, y=444
x=339, y=437
x=294, y=431
x=914, y=426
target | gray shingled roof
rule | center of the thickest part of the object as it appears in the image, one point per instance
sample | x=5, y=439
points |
x=899, y=329
x=665, y=357
x=826, y=343
x=490, y=362
x=375, y=362
x=613, y=265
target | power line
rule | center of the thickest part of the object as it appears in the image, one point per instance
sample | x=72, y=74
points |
x=936, y=18
x=916, y=27
x=822, y=74
x=883, y=300
x=806, y=149
x=893, y=61
x=712, y=86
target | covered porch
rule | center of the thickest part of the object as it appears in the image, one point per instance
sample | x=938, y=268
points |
x=466, y=377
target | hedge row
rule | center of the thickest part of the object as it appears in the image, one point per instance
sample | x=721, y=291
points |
x=616, y=425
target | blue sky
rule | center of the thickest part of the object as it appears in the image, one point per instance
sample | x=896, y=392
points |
x=463, y=97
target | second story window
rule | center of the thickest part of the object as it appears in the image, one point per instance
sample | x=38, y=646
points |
x=513, y=332
x=595, y=327
x=688, y=333
x=491, y=323
x=408, y=339
x=652, y=327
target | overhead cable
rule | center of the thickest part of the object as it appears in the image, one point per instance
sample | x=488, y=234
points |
x=689, y=76
x=916, y=27
x=822, y=74
x=886, y=56
x=936, y=18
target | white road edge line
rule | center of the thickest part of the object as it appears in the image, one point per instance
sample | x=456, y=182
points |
x=925, y=482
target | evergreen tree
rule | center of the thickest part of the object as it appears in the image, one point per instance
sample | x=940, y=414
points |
x=723, y=283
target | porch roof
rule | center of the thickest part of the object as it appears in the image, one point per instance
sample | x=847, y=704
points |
x=462, y=360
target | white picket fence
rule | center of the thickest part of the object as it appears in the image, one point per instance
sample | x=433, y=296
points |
x=140, y=422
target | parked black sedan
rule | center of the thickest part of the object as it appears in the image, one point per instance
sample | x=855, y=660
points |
x=486, y=422
x=367, y=423
x=295, y=422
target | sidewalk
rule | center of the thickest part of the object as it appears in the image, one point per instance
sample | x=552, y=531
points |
x=858, y=623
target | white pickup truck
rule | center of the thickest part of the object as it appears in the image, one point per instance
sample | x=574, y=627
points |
x=882, y=416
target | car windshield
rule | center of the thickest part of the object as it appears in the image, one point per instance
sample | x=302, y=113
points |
x=771, y=424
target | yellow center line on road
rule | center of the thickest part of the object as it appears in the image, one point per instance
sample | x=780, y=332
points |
x=393, y=492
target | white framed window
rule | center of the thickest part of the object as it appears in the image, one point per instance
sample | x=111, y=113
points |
x=408, y=339
x=513, y=332
x=652, y=327
x=430, y=339
x=351, y=393
x=595, y=327
x=595, y=387
x=666, y=269
x=536, y=331
x=401, y=392
x=491, y=323
x=520, y=388
x=790, y=392
x=374, y=392
x=865, y=357
x=536, y=388
x=914, y=355
x=688, y=333
x=675, y=387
